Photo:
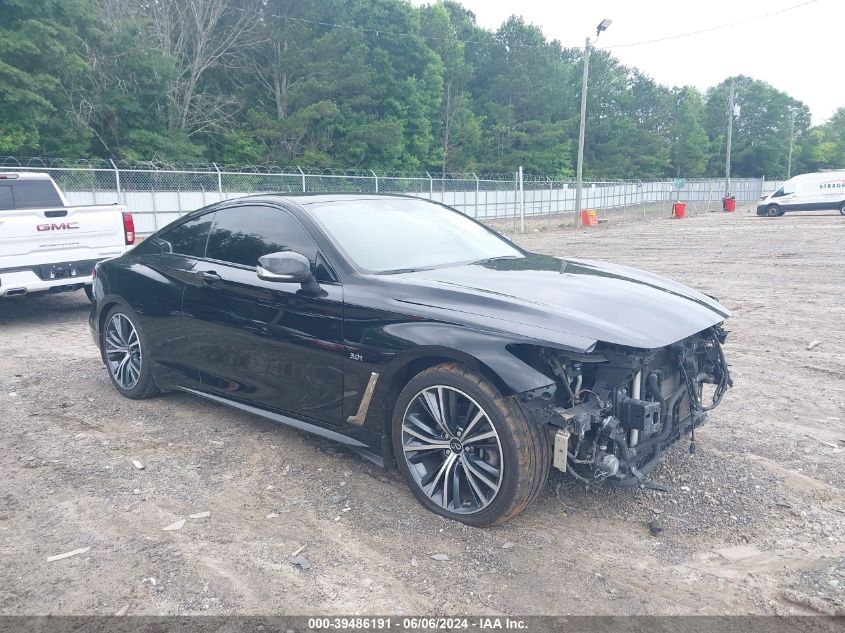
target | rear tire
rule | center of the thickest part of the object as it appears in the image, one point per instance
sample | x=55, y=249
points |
x=125, y=352
x=842, y=208
x=488, y=463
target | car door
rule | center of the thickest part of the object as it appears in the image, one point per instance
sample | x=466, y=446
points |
x=269, y=344
x=154, y=286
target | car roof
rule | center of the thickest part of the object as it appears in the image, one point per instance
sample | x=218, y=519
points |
x=307, y=199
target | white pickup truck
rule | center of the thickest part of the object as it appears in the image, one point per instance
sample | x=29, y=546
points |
x=47, y=245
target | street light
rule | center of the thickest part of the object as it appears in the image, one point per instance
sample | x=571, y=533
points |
x=580, y=169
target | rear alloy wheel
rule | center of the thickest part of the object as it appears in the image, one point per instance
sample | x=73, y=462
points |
x=773, y=211
x=466, y=452
x=124, y=354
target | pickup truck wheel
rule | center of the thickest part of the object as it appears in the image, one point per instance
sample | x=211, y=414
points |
x=125, y=355
x=773, y=211
x=89, y=292
x=465, y=451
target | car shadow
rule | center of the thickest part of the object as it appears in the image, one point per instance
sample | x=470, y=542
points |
x=44, y=309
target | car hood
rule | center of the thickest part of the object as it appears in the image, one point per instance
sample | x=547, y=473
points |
x=580, y=298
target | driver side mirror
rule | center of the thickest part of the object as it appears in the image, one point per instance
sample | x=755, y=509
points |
x=287, y=267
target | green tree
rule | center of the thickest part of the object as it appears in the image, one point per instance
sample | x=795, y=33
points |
x=690, y=144
x=40, y=45
x=378, y=84
x=761, y=132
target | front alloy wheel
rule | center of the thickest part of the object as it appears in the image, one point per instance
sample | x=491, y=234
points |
x=467, y=452
x=452, y=450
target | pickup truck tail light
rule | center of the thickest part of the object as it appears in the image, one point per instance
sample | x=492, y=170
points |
x=128, y=228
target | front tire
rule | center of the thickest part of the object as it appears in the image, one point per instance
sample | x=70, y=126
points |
x=773, y=211
x=124, y=351
x=465, y=451
x=842, y=208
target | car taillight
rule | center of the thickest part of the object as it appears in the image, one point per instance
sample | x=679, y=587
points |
x=128, y=228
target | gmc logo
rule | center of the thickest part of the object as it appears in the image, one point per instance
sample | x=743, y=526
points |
x=64, y=226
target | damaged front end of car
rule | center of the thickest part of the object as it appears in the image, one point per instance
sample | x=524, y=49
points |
x=614, y=411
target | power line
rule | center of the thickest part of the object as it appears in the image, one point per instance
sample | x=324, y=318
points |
x=714, y=28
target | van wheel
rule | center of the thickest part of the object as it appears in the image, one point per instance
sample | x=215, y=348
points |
x=842, y=208
x=773, y=211
x=465, y=451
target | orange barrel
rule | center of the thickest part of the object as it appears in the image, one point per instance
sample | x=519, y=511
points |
x=678, y=210
x=589, y=218
x=729, y=204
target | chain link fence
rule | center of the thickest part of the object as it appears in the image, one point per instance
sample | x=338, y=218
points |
x=159, y=193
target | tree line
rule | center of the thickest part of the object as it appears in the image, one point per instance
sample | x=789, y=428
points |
x=376, y=84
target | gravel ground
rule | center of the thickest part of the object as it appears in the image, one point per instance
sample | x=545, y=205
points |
x=755, y=522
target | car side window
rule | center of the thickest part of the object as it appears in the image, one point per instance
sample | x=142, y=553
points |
x=188, y=238
x=241, y=235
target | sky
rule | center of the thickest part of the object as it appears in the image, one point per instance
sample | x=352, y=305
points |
x=799, y=51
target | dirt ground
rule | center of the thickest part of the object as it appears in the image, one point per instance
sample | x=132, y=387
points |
x=755, y=522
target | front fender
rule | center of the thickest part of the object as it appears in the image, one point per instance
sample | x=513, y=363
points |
x=476, y=348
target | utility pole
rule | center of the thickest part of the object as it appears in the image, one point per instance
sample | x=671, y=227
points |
x=730, y=133
x=579, y=172
x=580, y=168
x=791, y=143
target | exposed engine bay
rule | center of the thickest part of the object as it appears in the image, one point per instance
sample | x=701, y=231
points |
x=616, y=410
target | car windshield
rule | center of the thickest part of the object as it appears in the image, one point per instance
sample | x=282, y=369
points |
x=387, y=235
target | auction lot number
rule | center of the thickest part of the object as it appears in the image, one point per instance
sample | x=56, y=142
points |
x=414, y=623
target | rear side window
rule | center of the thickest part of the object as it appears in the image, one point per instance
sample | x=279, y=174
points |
x=243, y=234
x=29, y=194
x=189, y=238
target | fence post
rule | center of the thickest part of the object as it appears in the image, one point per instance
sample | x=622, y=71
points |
x=477, y=193
x=93, y=183
x=521, y=202
x=117, y=180
x=155, y=206
x=430, y=186
x=219, y=180
x=303, y=177
x=376, y=179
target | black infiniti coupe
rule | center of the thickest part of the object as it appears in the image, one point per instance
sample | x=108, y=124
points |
x=416, y=336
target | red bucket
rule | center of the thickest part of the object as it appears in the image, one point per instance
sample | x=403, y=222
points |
x=729, y=204
x=679, y=209
x=589, y=217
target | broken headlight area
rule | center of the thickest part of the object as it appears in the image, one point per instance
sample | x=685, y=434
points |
x=615, y=411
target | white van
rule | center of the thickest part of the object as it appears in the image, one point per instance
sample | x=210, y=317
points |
x=47, y=245
x=824, y=191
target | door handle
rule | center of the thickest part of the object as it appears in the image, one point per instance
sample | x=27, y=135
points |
x=207, y=276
